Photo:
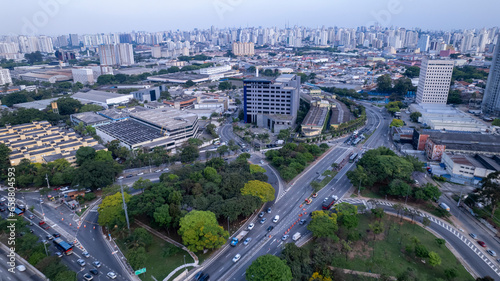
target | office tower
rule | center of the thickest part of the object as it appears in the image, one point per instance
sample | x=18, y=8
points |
x=243, y=49
x=272, y=104
x=156, y=52
x=108, y=55
x=423, y=43
x=491, y=98
x=62, y=41
x=73, y=40
x=83, y=75
x=125, y=54
x=434, y=81
x=5, y=76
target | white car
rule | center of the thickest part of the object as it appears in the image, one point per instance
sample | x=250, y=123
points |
x=21, y=267
x=251, y=226
x=166, y=169
x=111, y=275
x=86, y=254
x=81, y=262
x=158, y=171
x=276, y=218
x=237, y=258
x=120, y=177
x=64, y=188
x=140, y=174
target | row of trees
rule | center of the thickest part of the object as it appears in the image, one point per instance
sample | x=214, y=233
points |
x=382, y=171
x=291, y=159
x=397, y=90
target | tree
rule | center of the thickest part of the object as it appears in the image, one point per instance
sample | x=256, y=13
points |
x=111, y=210
x=490, y=191
x=324, y=224
x=189, y=83
x=415, y=115
x=226, y=85
x=496, y=122
x=412, y=72
x=68, y=105
x=454, y=97
x=260, y=189
x=377, y=228
x=318, y=277
x=268, y=268
x=137, y=257
x=200, y=230
x=378, y=213
x=162, y=216
x=4, y=160
x=346, y=247
x=141, y=237
x=440, y=241
x=396, y=123
x=426, y=222
x=450, y=273
x=189, y=153
x=33, y=57
x=384, y=84
x=84, y=154
x=90, y=108
x=256, y=169
x=195, y=141
x=434, y=259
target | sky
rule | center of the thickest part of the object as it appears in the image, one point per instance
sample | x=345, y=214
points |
x=56, y=17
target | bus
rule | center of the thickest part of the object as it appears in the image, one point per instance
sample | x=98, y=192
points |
x=63, y=246
x=327, y=204
x=353, y=157
x=18, y=211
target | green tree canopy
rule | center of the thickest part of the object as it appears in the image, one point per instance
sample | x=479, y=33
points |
x=200, y=230
x=268, y=268
x=260, y=189
x=324, y=224
x=111, y=211
x=414, y=116
x=396, y=123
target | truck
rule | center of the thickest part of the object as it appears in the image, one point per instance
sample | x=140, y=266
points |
x=444, y=206
x=329, y=203
x=238, y=238
x=296, y=236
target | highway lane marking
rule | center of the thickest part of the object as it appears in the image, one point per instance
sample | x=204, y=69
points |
x=221, y=269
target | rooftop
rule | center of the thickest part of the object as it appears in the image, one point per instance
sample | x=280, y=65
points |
x=99, y=96
x=131, y=131
x=166, y=118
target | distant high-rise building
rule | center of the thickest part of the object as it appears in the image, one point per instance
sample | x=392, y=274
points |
x=156, y=52
x=243, y=49
x=125, y=38
x=491, y=98
x=434, y=81
x=62, y=41
x=73, y=40
x=126, y=54
x=5, y=76
x=423, y=43
x=108, y=55
x=45, y=44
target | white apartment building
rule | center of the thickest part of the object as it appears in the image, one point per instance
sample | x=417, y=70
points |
x=108, y=54
x=156, y=52
x=272, y=104
x=491, y=98
x=5, y=76
x=215, y=69
x=83, y=75
x=243, y=49
x=434, y=81
x=119, y=54
x=126, y=54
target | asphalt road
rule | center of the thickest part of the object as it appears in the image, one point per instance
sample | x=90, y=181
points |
x=16, y=275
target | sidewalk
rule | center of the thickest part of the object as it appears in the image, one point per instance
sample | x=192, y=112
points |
x=367, y=274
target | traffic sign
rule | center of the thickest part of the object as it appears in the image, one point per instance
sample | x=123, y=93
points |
x=140, y=271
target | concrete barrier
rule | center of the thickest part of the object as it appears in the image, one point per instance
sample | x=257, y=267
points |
x=19, y=259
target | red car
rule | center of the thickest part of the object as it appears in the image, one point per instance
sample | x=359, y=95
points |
x=481, y=243
x=57, y=188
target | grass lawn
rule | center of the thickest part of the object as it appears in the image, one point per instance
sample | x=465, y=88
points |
x=370, y=194
x=389, y=255
x=329, y=175
x=162, y=258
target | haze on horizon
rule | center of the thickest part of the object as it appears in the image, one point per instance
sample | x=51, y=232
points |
x=55, y=17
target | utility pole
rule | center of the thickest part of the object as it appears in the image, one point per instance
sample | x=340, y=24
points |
x=47, y=178
x=125, y=206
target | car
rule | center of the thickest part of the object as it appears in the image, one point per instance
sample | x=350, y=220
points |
x=198, y=275
x=57, y=188
x=81, y=262
x=491, y=252
x=31, y=217
x=96, y=264
x=268, y=210
x=315, y=195
x=21, y=267
x=86, y=254
x=45, y=241
x=270, y=228
x=302, y=221
x=251, y=226
x=2, y=209
x=473, y=235
x=237, y=258
x=247, y=241
x=166, y=169
x=41, y=223
x=140, y=174
x=263, y=220
x=64, y=188
x=326, y=199
x=88, y=277
x=261, y=214
x=49, y=237
x=111, y=275
x=59, y=254
x=308, y=201
x=88, y=190
x=129, y=176
x=120, y=177
x=482, y=244
x=158, y=171
x=276, y=218
x=498, y=260
x=204, y=277
x=94, y=271
x=56, y=235
x=285, y=237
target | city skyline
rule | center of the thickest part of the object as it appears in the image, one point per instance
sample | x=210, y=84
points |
x=51, y=17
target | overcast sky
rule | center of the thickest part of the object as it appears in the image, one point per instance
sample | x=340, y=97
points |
x=104, y=16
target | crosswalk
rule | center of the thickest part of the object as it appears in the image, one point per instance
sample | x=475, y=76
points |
x=448, y=227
